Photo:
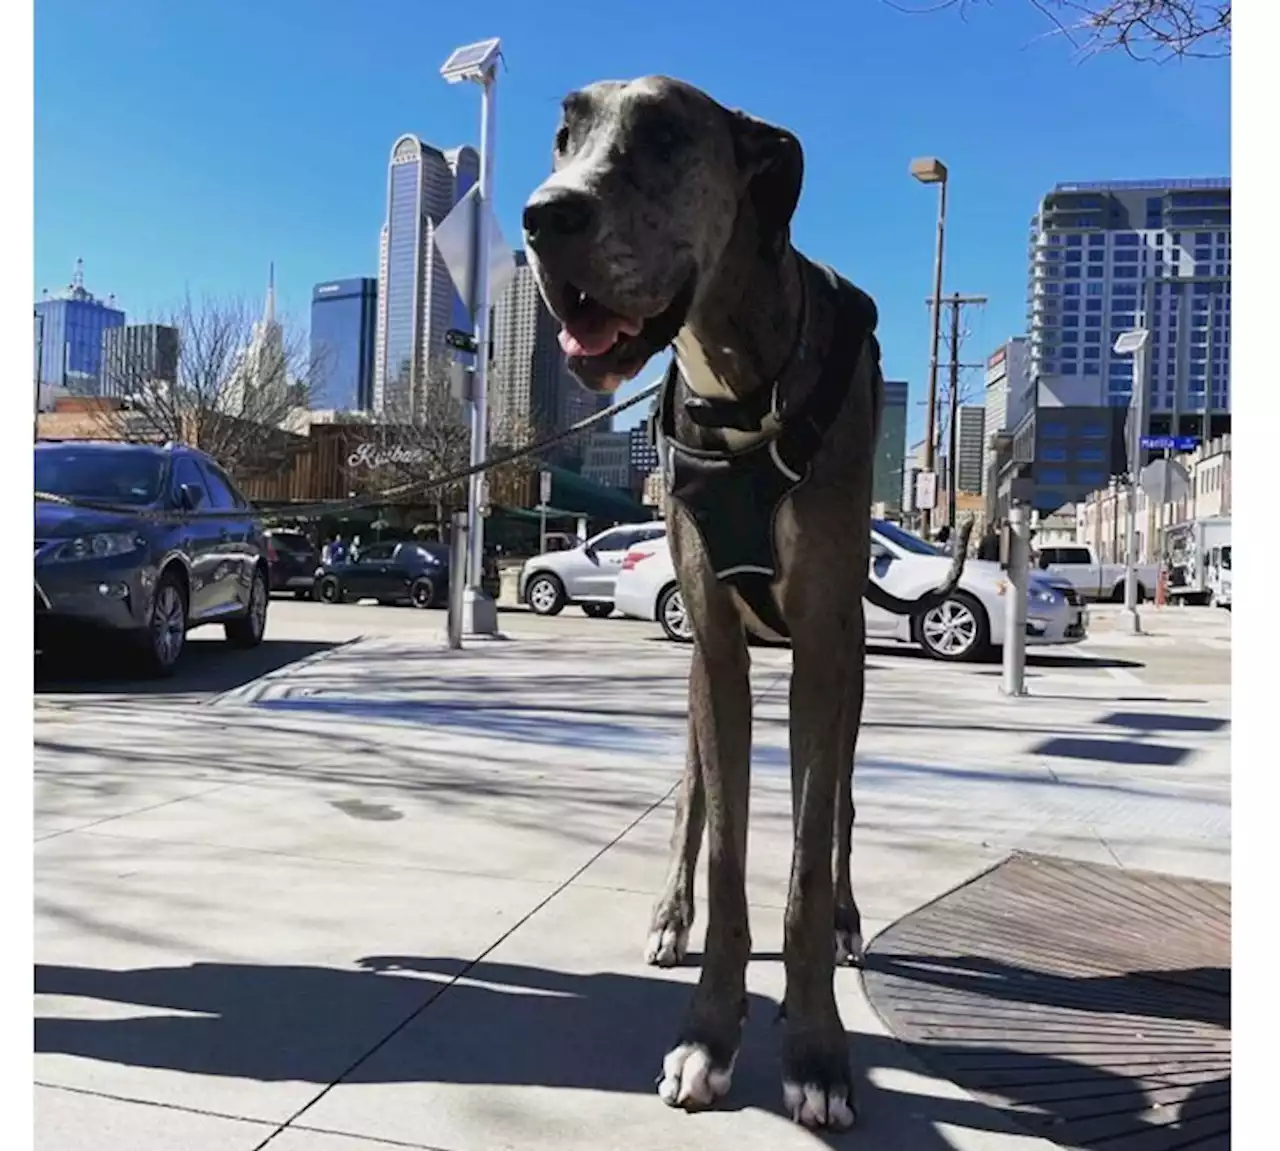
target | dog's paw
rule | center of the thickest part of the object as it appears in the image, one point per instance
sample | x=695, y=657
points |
x=667, y=945
x=817, y=1107
x=849, y=949
x=691, y=1079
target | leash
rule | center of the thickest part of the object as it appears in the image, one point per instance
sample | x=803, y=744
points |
x=331, y=506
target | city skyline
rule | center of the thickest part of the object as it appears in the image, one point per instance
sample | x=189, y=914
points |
x=859, y=210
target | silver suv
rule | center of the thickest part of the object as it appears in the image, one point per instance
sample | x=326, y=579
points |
x=583, y=575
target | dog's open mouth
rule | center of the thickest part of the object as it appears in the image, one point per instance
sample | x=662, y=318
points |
x=600, y=341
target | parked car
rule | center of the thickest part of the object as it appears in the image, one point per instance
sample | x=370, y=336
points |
x=1077, y=565
x=292, y=560
x=137, y=577
x=965, y=626
x=583, y=574
x=409, y=572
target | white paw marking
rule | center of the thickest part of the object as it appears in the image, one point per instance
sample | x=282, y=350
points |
x=812, y=1107
x=849, y=949
x=690, y=1080
x=666, y=947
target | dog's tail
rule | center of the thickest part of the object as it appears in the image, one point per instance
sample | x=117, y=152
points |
x=931, y=599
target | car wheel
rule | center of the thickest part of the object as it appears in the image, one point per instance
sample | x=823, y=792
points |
x=422, y=593
x=329, y=590
x=545, y=595
x=955, y=630
x=167, y=626
x=673, y=617
x=248, y=630
x=598, y=610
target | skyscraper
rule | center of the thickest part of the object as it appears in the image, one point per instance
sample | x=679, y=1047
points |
x=528, y=364
x=416, y=302
x=69, y=331
x=886, y=486
x=969, y=451
x=343, y=327
x=257, y=386
x=1109, y=256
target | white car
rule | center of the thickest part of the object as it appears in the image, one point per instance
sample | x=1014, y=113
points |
x=583, y=574
x=965, y=626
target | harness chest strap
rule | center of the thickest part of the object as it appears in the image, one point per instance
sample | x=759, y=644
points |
x=733, y=498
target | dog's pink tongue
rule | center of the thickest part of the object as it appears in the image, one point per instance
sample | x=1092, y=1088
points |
x=597, y=337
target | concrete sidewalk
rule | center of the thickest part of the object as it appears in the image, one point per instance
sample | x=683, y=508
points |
x=396, y=896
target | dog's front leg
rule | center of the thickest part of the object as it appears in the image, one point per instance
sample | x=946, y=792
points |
x=699, y=1068
x=668, y=940
x=817, y=1086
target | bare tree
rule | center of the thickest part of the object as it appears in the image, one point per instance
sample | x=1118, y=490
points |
x=229, y=387
x=1154, y=30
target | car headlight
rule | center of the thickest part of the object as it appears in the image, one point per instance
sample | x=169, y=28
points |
x=1042, y=594
x=97, y=546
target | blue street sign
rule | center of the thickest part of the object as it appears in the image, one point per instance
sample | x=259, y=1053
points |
x=1170, y=443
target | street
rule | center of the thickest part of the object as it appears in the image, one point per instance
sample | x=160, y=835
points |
x=351, y=890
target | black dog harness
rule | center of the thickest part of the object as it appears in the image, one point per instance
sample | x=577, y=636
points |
x=734, y=497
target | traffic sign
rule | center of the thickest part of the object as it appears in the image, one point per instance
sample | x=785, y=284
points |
x=463, y=341
x=927, y=490
x=1165, y=481
x=1170, y=443
x=454, y=238
x=544, y=488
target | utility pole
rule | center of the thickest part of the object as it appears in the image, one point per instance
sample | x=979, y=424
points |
x=955, y=302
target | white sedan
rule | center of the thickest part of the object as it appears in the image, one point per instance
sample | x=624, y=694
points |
x=965, y=626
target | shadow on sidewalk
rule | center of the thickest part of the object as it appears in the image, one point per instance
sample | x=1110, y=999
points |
x=501, y=1024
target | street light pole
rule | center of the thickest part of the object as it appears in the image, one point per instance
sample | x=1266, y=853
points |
x=479, y=63
x=931, y=170
x=1134, y=343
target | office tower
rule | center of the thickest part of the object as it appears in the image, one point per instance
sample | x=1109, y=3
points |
x=416, y=299
x=1104, y=256
x=69, y=329
x=969, y=450
x=528, y=374
x=607, y=460
x=644, y=452
x=343, y=327
x=137, y=356
x=887, y=483
x=1007, y=396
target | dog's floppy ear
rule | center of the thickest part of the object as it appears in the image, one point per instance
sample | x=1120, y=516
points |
x=772, y=165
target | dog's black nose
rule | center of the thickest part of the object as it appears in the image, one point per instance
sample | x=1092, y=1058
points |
x=561, y=212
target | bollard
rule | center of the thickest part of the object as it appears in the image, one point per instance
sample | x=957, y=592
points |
x=1015, y=607
x=457, y=576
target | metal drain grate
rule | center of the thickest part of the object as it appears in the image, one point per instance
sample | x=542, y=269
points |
x=1092, y=1004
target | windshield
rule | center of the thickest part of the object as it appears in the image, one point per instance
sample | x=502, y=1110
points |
x=1226, y=557
x=113, y=475
x=904, y=539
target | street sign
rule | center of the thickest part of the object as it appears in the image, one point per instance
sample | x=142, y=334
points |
x=927, y=491
x=461, y=379
x=1165, y=481
x=544, y=489
x=462, y=341
x=1170, y=443
x=455, y=241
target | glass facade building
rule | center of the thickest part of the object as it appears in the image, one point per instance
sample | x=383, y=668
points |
x=416, y=300
x=887, y=481
x=343, y=326
x=69, y=332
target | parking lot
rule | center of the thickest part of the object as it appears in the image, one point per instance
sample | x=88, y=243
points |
x=1184, y=646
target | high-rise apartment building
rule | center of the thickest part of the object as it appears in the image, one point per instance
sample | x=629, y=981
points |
x=1106, y=257
x=137, y=356
x=69, y=329
x=887, y=482
x=1007, y=397
x=416, y=300
x=343, y=327
x=644, y=452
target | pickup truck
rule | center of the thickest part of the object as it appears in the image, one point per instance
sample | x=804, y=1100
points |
x=1076, y=564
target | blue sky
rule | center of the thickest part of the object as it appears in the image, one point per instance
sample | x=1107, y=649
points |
x=187, y=145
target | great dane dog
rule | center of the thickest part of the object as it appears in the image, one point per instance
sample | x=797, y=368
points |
x=666, y=222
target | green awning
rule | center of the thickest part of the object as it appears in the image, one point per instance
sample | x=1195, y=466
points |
x=573, y=495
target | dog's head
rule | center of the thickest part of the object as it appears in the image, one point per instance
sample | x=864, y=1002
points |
x=651, y=181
